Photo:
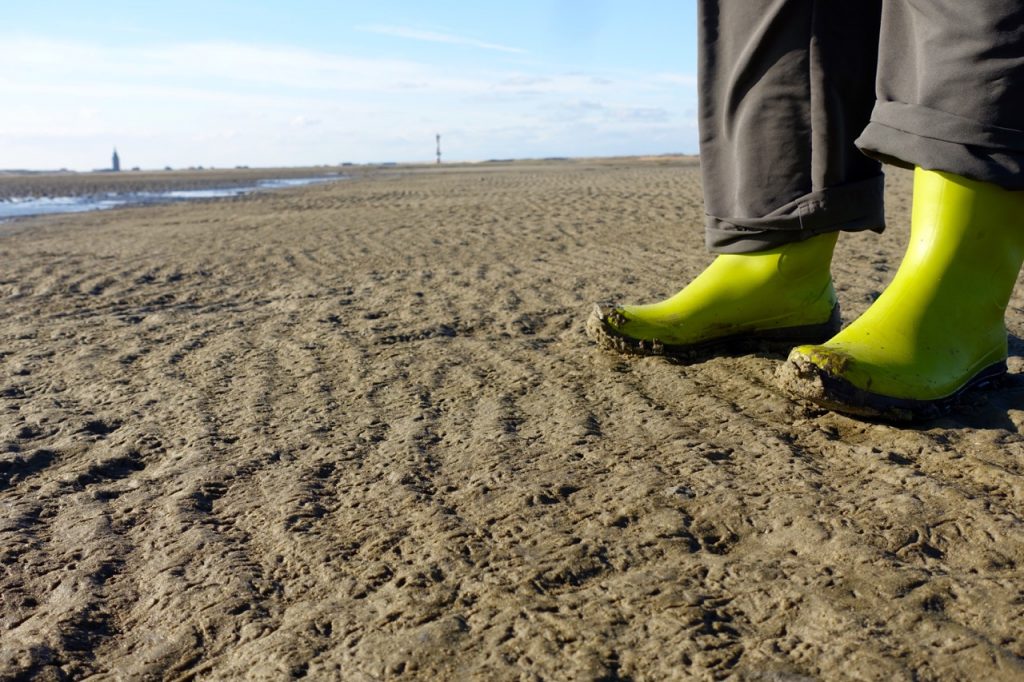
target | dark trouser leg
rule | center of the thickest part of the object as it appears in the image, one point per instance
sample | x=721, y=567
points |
x=785, y=88
x=951, y=89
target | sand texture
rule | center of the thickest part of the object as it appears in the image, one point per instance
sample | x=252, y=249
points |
x=356, y=431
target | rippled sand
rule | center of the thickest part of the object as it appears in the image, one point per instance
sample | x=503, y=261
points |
x=357, y=431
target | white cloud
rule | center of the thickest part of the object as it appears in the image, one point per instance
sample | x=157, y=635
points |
x=50, y=62
x=435, y=37
x=227, y=103
x=305, y=122
x=222, y=71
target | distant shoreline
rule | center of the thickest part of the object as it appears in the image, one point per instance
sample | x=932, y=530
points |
x=50, y=185
x=43, y=184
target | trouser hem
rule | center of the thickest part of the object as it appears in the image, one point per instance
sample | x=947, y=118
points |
x=908, y=135
x=852, y=207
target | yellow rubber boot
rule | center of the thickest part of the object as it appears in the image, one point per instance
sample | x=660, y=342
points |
x=938, y=328
x=783, y=295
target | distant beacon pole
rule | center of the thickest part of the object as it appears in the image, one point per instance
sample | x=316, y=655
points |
x=439, y=148
x=115, y=162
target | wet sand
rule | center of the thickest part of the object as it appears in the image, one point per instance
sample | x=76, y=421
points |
x=85, y=184
x=356, y=431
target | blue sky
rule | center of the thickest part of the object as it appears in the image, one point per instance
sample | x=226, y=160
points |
x=224, y=82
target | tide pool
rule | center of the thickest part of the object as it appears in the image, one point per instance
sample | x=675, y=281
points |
x=22, y=207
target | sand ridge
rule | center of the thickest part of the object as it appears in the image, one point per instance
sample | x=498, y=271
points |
x=357, y=431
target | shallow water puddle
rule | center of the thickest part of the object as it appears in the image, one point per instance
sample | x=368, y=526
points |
x=21, y=207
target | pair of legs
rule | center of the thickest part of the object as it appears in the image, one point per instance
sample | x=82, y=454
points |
x=787, y=86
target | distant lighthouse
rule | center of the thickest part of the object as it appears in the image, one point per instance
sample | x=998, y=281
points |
x=115, y=162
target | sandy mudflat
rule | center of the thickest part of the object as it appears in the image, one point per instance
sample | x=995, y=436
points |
x=356, y=431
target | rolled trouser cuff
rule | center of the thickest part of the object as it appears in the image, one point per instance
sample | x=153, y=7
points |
x=852, y=207
x=910, y=135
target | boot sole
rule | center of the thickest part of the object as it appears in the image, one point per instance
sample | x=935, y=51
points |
x=768, y=340
x=805, y=380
